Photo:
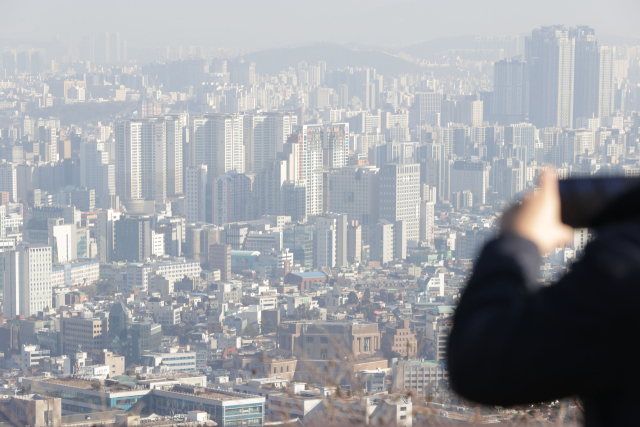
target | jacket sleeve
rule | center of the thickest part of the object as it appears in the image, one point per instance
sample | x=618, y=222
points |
x=514, y=342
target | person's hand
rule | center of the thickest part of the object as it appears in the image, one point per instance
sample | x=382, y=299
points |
x=538, y=217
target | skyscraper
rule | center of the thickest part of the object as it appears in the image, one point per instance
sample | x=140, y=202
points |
x=217, y=143
x=550, y=53
x=593, y=76
x=196, y=194
x=128, y=136
x=264, y=136
x=103, y=48
x=400, y=196
x=149, y=158
x=175, y=129
x=27, y=280
x=354, y=190
x=510, y=91
x=311, y=168
x=153, y=167
x=426, y=109
x=335, y=145
x=472, y=176
x=133, y=240
x=232, y=198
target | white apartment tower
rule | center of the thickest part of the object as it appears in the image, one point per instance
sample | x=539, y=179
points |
x=128, y=136
x=264, y=136
x=217, y=143
x=312, y=153
x=9, y=180
x=400, y=196
x=335, y=145
x=175, y=127
x=27, y=280
x=154, y=159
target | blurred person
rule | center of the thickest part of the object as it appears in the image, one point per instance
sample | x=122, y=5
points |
x=516, y=342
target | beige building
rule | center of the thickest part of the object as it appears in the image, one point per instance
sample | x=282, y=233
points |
x=81, y=330
x=400, y=339
x=35, y=411
x=115, y=363
x=329, y=341
x=418, y=376
x=441, y=335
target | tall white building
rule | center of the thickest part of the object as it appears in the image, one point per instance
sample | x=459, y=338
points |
x=9, y=180
x=550, y=54
x=312, y=153
x=217, y=143
x=154, y=159
x=264, y=137
x=128, y=136
x=354, y=191
x=335, y=145
x=427, y=221
x=196, y=194
x=175, y=129
x=95, y=171
x=324, y=242
x=400, y=196
x=27, y=280
x=106, y=234
x=149, y=157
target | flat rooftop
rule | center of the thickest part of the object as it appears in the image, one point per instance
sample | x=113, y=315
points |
x=70, y=382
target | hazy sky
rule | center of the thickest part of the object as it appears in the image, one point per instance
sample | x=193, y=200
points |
x=252, y=24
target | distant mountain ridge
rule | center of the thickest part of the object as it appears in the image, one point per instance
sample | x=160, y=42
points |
x=273, y=61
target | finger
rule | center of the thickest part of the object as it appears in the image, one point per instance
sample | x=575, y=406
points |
x=549, y=184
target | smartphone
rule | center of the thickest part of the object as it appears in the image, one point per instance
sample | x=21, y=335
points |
x=594, y=202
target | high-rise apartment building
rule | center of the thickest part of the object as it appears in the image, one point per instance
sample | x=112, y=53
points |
x=133, y=240
x=232, y=198
x=27, y=280
x=196, y=194
x=128, y=137
x=311, y=167
x=354, y=191
x=107, y=234
x=523, y=134
x=426, y=109
x=467, y=175
x=593, y=82
x=149, y=157
x=550, y=53
x=96, y=172
x=216, y=142
x=400, y=196
x=427, y=221
x=510, y=102
x=354, y=241
x=330, y=241
x=220, y=259
x=335, y=145
x=9, y=180
x=153, y=165
x=264, y=137
x=175, y=126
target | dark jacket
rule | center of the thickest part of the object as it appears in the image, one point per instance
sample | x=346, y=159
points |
x=514, y=342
